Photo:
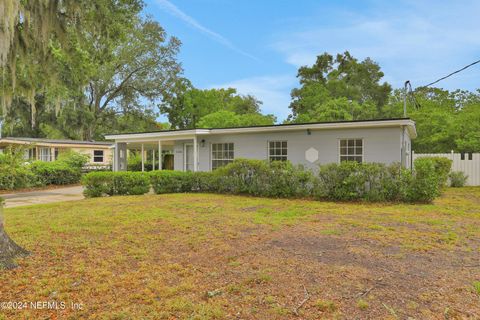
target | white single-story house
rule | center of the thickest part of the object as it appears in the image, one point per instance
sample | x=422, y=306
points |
x=309, y=144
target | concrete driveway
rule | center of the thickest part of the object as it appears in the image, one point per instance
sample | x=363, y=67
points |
x=42, y=196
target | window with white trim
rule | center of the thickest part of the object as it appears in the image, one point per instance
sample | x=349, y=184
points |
x=222, y=154
x=98, y=155
x=351, y=150
x=277, y=150
x=44, y=154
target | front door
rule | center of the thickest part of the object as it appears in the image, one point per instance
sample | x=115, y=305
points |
x=188, y=166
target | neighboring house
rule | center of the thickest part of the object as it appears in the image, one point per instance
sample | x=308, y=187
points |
x=384, y=141
x=99, y=153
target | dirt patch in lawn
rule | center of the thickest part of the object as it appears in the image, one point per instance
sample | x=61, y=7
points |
x=393, y=281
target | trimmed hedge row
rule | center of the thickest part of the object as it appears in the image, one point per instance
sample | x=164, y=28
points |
x=16, y=173
x=104, y=183
x=55, y=172
x=347, y=181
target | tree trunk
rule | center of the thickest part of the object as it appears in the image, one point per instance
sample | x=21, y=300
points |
x=9, y=250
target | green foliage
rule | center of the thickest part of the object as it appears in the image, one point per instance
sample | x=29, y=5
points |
x=426, y=184
x=99, y=184
x=190, y=108
x=15, y=173
x=457, y=179
x=222, y=119
x=476, y=287
x=445, y=120
x=338, y=109
x=55, y=172
x=347, y=181
x=66, y=170
x=169, y=181
x=107, y=71
x=73, y=159
x=17, y=178
x=134, y=162
x=340, y=88
x=351, y=180
x=130, y=183
x=261, y=178
x=442, y=167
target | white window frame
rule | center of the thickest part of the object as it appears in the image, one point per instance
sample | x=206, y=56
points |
x=348, y=155
x=94, y=156
x=45, y=157
x=220, y=159
x=269, y=156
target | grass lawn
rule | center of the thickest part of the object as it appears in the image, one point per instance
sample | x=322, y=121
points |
x=203, y=256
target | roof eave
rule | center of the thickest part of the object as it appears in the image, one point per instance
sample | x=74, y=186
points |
x=185, y=134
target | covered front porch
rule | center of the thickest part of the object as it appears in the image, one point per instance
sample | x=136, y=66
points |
x=156, y=153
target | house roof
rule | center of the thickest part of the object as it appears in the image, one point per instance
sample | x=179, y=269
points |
x=373, y=123
x=42, y=141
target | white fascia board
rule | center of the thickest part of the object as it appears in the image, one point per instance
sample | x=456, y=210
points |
x=189, y=134
x=322, y=126
x=155, y=136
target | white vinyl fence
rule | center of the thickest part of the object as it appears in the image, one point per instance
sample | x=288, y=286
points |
x=468, y=163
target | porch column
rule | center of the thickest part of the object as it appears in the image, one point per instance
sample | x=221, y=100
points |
x=120, y=157
x=52, y=154
x=153, y=159
x=159, y=155
x=195, y=155
x=143, y=159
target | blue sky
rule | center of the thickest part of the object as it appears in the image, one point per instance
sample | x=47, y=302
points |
x=258, y=46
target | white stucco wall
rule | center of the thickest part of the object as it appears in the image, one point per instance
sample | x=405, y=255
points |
x=381, y=145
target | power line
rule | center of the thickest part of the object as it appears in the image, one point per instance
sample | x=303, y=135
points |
x=451, y=74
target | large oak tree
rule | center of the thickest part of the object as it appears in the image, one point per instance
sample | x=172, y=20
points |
x=339, y=88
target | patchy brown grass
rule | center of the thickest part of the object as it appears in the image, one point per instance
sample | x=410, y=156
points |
x=202, y=256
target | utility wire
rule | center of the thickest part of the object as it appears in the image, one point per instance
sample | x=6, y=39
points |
x=451, y=74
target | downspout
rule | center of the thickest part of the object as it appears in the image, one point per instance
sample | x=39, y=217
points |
x=402, y=150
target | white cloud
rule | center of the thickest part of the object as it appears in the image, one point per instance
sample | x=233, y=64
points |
x=419, y=41
x=176, y=12
x=273, y=91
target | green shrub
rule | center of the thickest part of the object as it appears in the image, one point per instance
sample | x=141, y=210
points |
x=261, y=178
x=15, y=172
x=427, y=181
x=55, y=172
x=169, y=181
x=131, y=183
x=441, y=166
x=347, y=181
x=97, y=184
x=351, y=180
x=134, y=163
x=397, y=183
x=457, y=179
x=73, y=159
x=242, y=176
x=12, y=178
x=115, y=183
x=340, y=181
